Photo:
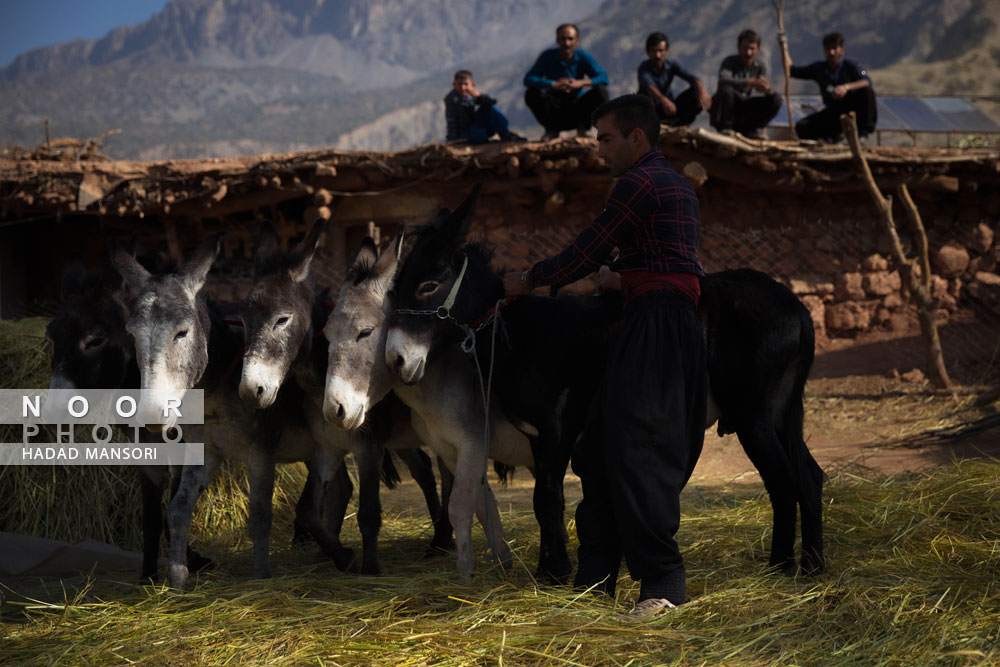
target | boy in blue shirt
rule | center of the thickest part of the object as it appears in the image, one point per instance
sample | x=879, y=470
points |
x=844, y=85
x=656, y=75
x=473, y=116
x=558, y=85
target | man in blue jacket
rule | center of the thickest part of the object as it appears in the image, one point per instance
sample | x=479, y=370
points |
x=844, y=85
x=565, y=85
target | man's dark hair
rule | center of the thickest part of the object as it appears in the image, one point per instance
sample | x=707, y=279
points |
x=568, y=25
x=834, y=39
x=631, y=112
x=463, y=74
x=747, y=35
x=655, y=38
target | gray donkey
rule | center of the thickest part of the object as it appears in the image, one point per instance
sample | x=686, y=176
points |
x=182, y=342
x=446, y=411
x=278, y=315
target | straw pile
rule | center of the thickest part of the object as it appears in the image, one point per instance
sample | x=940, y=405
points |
x=912, y=579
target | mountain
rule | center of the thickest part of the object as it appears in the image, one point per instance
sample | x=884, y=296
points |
x=220, y=77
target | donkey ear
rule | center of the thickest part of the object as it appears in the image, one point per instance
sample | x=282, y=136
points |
x=302, y=254
x=195, y=272
x=385, y=267
x=457, y=224
x=363, y=263
x=132, y=271
x=441, y=217
x=268, y=249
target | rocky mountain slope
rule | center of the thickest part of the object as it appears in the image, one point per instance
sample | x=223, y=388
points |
x=235, y=76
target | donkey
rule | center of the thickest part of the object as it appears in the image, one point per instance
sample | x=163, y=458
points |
x=760, y=347
x=280, y=316
x=182, y=342
x=91, y=350
x=446, y=411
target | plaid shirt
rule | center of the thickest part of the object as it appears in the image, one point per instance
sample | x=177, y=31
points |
x=652, y=218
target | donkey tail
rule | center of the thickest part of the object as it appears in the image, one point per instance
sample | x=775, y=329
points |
x=390, y=476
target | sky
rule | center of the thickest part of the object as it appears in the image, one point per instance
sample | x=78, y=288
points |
x=30, y=24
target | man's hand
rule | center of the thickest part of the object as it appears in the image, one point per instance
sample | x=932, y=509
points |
x=474, y=92
x=839, y=91
x=669, y=107
x=608, y=280
x=577, y=84
x=704, y=99
x=760, y=83
x=513, y=285
x=562, y=85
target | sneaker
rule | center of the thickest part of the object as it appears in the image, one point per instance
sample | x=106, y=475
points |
x=757, y=133
x=550, y=134
x=647, y=609
x=728, y=131
x=583, y=130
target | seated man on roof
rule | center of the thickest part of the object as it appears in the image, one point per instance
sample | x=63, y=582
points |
x=655, y=76
x=472, y=115
x=744, y=101
x=565, y=85
x=844, y=85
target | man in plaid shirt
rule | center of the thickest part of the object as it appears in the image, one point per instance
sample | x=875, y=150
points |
x=648, y=425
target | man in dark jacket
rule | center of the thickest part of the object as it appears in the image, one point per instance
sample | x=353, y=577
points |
x=844, y=85
x=648, y=424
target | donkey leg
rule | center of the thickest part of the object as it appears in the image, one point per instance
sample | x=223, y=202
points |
x=549, y=504
x=762, y=446
x=442, y=540
x=338, y=495
x=151, y=479
x=369, y=458
x=260, y=466
x=193, y=481
x=468, y=469
x=811, y=507
x=300, y=528
x=330, y=475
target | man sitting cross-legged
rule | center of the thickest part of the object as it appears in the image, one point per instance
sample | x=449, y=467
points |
x=744, y=102
x=655, y=76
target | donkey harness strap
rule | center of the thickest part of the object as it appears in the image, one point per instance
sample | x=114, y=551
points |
x=453, y=294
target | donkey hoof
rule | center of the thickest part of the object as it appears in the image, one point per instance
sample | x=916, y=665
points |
x=554, y=576
x=301, y=536
x=371, y=568
x=177, y=575
x=263, y=572
x=343, y=558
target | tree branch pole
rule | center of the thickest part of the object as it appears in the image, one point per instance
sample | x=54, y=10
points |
x=785, y=60
x=916, y=278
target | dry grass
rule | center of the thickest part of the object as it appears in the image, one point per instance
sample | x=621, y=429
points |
x=912, y=579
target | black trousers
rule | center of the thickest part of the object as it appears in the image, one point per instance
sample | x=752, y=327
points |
x=733, y=109
x=825, y=124
x=559, y=111
x=643, y=439
x=688, y=109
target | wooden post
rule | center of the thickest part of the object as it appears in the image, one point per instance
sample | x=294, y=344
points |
x=919, y=285
x=785, y=61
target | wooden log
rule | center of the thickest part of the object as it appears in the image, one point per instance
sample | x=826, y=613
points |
x=322, y=197
x=695, y=173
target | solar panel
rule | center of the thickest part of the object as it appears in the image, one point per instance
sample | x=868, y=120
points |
x=961, y=114
x=909, y=114
x=916, y=115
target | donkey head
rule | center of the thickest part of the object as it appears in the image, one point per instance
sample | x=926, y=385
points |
x=356, y=376
x=425, y=281
x=276, y=314
x=170, y=326
x=90, y=348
